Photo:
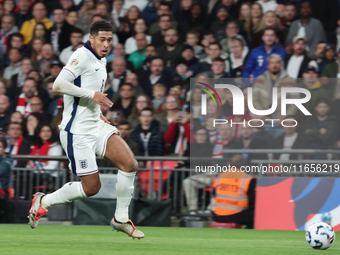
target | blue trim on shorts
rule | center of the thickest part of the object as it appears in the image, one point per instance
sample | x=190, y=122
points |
x=70, y=152
x=77, y=82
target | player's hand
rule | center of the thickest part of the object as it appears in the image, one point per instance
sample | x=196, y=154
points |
x=101, y=99
x=104, y=119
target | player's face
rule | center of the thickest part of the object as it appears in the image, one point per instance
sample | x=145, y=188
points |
x=102, y=43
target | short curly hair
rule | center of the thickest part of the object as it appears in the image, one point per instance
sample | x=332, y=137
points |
x=100, y=25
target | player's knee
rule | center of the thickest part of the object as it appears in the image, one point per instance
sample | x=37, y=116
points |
x=93, y=189
x=131, y=166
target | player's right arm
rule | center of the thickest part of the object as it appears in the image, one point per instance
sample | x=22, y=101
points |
x=65, y=82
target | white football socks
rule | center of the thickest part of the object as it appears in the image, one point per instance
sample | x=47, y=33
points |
x=69, y=192
x=124, y=189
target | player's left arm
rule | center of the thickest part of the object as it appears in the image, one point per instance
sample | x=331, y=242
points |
x=65, y=82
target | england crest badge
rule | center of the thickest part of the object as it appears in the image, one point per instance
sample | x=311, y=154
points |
x=83, y=163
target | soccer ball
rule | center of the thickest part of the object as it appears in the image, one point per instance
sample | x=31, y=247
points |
x=320, y=236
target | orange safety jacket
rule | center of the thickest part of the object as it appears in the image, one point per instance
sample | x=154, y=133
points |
x=231, y=193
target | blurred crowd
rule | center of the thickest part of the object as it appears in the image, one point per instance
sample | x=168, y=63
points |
x=158, y=46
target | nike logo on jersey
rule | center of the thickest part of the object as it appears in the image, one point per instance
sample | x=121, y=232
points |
x=96, y=69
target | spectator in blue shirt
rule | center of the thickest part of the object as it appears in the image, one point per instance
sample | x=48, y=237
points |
x=256, y=64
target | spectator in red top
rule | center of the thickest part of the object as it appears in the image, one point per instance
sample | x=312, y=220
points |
x=47, y=146
x=178, y=136
x=33, y=125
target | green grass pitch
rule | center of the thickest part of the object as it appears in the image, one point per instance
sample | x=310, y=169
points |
x=97, y=240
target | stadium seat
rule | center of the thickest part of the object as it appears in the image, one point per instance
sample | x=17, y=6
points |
x=228, y=225
x=144, y=175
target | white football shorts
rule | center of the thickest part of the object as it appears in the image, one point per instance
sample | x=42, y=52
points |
x=81, y=150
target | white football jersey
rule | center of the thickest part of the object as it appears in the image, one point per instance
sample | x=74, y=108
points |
x=81, y=115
